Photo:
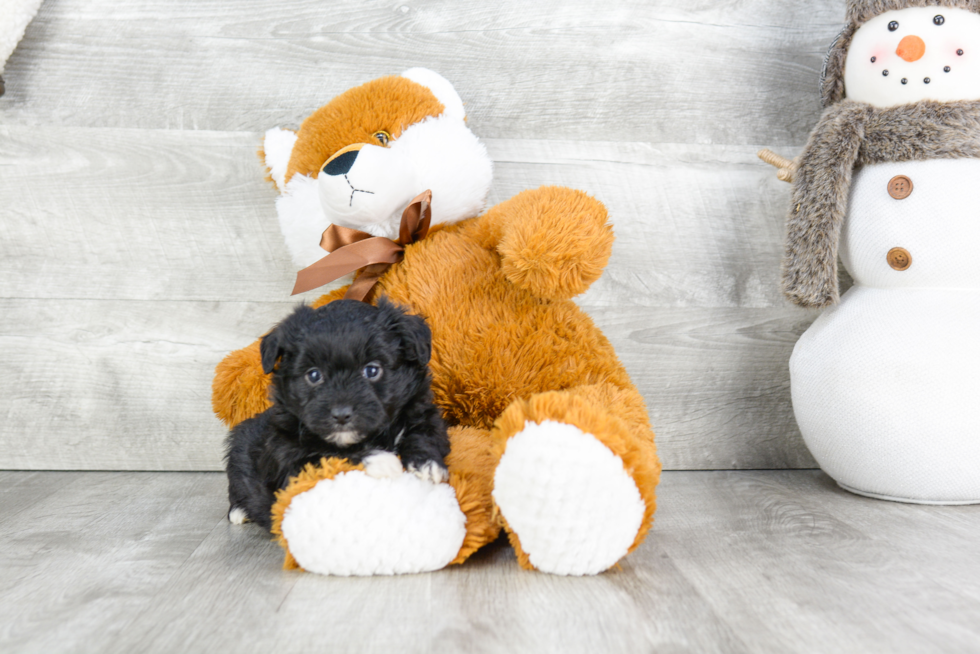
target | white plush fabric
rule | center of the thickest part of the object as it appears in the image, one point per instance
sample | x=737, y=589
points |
x=15, y=15
x=278, y=146
x=864, y=80
x=939, y=224
x=301, y=220
x=568, y=498
x=886, y=392
x=451, y=162
x=886, y=386
x=355, y=525
x=441, y=88
x=372, y=195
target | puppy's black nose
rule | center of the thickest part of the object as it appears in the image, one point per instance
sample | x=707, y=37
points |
x=342, y=414
x=342, y=164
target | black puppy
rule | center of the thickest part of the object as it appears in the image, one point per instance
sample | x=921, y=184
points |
x=349, y=380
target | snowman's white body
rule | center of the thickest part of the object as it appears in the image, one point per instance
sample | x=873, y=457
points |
x=886, y=385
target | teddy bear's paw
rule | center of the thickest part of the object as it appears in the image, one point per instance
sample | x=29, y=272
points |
x=354, y=524
x=382, y=465
x=430, y=471
x=572, y=505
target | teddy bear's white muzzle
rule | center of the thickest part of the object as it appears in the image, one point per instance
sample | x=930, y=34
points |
x=367, y=189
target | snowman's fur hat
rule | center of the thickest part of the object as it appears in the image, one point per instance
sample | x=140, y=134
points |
x=858, y=13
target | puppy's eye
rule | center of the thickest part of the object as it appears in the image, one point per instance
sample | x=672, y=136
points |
x=372, y=371
x=383, y=137
x=314, y=377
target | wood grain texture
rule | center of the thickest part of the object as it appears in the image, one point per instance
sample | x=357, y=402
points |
x=661, y=71
x=780, y=562
x=108, y=385
x=139, y=241
x=165, y=215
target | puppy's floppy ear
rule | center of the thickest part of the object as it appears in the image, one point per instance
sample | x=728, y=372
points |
x=271, y=350
x=414, y=333
x=277, y=342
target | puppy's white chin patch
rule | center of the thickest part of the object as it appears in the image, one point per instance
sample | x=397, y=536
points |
x=237, y=516
x=344, y=438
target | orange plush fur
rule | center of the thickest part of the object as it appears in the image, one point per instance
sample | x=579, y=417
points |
x=508, y=345
x=389, y=104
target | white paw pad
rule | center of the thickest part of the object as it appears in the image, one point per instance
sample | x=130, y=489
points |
x=568, y=498
x=237, y=516
x=430, y=471
x=382, y=465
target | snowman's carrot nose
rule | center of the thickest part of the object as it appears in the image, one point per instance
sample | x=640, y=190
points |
x=911, y=48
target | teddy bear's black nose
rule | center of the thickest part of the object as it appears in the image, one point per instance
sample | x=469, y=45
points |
x=342, y=164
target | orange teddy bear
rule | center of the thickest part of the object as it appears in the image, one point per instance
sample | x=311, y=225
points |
x=550, y=440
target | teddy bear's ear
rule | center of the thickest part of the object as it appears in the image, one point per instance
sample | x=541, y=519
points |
x=441, y=88
x=277, y=147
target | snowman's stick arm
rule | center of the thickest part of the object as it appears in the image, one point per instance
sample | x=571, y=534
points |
x=787, y=168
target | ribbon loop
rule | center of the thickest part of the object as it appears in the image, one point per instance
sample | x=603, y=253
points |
x=352, y=249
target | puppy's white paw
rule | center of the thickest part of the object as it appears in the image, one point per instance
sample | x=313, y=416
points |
x=382, y=465
x=430, y=471
x=237, y=516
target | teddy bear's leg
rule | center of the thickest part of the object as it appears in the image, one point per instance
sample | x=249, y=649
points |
x=576, y=477
x=335, y=519
x=471, y=463
x=240, y=389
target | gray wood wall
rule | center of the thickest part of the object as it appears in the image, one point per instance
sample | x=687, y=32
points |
x=139, y=241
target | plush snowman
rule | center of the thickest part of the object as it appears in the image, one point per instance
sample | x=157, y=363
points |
x=886, y=382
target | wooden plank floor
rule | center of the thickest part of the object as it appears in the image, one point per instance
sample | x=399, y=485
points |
x=766, y=561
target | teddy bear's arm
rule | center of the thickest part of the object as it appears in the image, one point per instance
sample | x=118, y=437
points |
x=553, y=241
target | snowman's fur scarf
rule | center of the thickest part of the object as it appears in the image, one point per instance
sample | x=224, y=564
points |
x=858, y=13
x=850, y=135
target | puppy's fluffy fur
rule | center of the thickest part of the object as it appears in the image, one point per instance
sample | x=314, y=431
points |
x=349, y=380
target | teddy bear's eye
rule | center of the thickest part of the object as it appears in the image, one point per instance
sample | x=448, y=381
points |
x=383, y=137
x=892, y=26
x=372, y=371
x=314, y=377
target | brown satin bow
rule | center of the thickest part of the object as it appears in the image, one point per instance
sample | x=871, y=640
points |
x=352, y=249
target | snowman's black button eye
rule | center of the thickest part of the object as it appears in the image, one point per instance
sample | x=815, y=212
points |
x=939, y=20
x=892, y=26
x=959, y=52
x=874, y=59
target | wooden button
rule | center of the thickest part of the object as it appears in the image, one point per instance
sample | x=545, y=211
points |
x=900, y=187
x=899, y=259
